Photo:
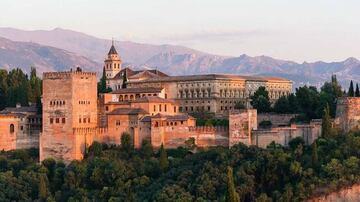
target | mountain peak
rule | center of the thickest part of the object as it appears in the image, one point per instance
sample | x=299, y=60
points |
x=351, y=60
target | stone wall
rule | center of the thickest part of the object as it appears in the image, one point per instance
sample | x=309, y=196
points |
x=241, y=123
x=276, y=119
x=348, y=113
x=350, y=194
x=282, y=135
x=22, y=137
x=173, y=137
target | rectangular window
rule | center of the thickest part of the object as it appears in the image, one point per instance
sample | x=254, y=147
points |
x=165, y=108
x=51, y=120
x=159, y=108
x=88, y=120
x=208, y=108
x=84, y=120
x=174, y=109
x=79, y=120
x=63, y=120
x=154, y=108
x=117, y=122
x=57, y=120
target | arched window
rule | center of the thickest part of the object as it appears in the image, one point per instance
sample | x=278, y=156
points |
x=12, y=128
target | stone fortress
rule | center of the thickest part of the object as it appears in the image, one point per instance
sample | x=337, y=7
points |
x=152, y=105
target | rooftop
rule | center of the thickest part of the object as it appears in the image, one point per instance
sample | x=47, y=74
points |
x=19, y=109
x=137, y=90
x=153, y=99
x=128, y=111
x=212, y=77
x=179, y=117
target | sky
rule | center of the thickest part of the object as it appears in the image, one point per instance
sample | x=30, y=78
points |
x=299, y=30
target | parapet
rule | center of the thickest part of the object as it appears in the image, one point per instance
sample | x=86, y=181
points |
x=93, y=131
x=66, y=74
x=348, y=101
x=208, y=129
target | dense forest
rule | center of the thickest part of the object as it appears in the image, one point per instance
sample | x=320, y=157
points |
x=17, y=87
x=241, y=173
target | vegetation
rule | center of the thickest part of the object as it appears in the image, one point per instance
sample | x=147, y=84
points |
x=241, y=173
x=16, y=87
x=310, y=103
x=102, y=84
x=265, y=124
x=260, y=100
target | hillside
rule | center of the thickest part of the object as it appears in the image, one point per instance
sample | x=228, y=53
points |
x=177, y=60
x=45, y=58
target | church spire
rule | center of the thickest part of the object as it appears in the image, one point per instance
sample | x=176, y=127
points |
x=112, y=50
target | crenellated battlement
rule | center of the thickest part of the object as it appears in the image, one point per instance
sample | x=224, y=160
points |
x=66, y=74
x=348, y=101
x=208, y=129
x=92, y=131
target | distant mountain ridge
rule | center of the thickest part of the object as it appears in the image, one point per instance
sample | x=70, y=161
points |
x=44, y=58
x=176, y=60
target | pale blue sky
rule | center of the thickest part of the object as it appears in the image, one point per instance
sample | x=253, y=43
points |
x=299, y=30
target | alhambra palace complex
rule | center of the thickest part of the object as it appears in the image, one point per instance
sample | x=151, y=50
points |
x=154, y=106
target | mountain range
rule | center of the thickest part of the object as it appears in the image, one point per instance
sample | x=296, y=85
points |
x=61, y=49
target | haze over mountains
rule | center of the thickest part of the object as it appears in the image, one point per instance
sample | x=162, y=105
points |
x=61, y=49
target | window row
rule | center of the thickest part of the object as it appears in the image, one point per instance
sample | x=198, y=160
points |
x=168, y=123
x=83, y=102
x=57, y=120
x=57, y=102
x=84, y=120
x=159, y=108
x=194, y=109
x=112, y=65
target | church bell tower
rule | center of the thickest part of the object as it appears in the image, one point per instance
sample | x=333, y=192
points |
x=112, y=63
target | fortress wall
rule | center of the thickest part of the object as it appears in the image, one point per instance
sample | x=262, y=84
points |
x=276, y=119
x=348, y=113
x=282, y=135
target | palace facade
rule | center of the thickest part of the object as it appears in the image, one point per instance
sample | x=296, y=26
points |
x=214, y=93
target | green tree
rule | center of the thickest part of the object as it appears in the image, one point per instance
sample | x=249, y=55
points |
x=351, y=89
x=314, y=155
x=3, y=88
x=102, y=84
x=357, y=91
x=43, y=187
x=329, y=93
x=190, y=143
x=231, y=195
x=260, y=100
x=282, y=105
x=124, y=83
x=239, y=105
x=126, y=142
x=147, y=148
x=163, y=161
x=326, y=123
x=308, y=101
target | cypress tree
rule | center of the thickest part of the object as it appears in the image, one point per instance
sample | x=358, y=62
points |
x=357, y=91
x=351, y=89
x=314, y=155
x=232, y=195
x=102, y=83
x=124, y=84
x=326, y=123
x=43, y=187
x=164, y=162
